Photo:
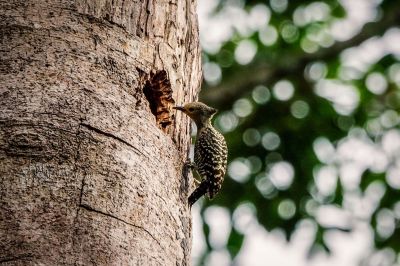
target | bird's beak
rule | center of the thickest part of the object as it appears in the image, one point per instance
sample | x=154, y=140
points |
x=180, y=108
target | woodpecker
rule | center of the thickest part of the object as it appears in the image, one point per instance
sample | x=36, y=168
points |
x=210, y=151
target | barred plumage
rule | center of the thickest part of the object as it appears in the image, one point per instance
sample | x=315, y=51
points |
x=210, y=151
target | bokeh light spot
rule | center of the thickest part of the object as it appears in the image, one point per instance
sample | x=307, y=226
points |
x=239, y=170
x=259, y=16
x=227, y=121
x=389, y=119
x=385, y=223
x=268, y=35
x=326, y=179
x=393, y=177
x=218, y=257
x=286, y=209
x=244, y=217
x=375, y=190
x=299, y=16
x=394, y=73
x=396, y=210
x=270, y=141
x=278, y=5
x=261, y=94
x=219, y=221
x=324, y=150
x=308, y=46
x=255, y=164
x=333, y=216
x=283, y=90
x=391, y=143
x=251, y=137
x=345, y=97
x=318, y=11
x=316, y=71
x=289, y=32
x=299, y=109
x=315, y=11
x=350, y=175
x=265, y=186
x=212, y=73
x=282, y=175
x=374, y=127
x=376, y=83
x=245, y=52
x=242, y=107
x=311, y=207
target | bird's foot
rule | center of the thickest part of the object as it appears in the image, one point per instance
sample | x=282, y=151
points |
x=189, y=165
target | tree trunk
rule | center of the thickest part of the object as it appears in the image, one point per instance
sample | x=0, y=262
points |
x=91, y=154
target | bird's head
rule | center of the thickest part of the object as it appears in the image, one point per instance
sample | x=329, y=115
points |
x=198, y=112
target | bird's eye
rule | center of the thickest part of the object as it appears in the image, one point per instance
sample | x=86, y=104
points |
x=191, y=109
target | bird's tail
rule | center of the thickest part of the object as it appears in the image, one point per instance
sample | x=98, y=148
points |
x=198, y=192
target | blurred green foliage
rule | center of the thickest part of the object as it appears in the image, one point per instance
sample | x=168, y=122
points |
x=290, y=97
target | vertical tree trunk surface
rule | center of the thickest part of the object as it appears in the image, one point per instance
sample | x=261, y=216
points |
x=90, y=153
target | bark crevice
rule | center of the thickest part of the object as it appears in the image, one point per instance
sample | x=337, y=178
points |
x=88, y=208
x=21, y=257
x=107, y=134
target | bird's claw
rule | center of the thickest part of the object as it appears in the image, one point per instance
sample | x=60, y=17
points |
x=189, y=165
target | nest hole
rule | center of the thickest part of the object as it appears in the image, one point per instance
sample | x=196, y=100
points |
x=158, y=93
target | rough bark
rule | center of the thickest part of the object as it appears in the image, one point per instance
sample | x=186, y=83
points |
x=90, y=153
